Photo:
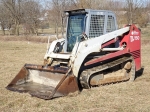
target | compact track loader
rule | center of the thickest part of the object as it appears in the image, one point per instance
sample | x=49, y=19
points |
x=94, y=52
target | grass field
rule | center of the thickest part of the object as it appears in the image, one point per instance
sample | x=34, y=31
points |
x=40, y=31
x=120, y=97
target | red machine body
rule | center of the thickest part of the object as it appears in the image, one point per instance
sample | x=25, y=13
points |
x=132, y=43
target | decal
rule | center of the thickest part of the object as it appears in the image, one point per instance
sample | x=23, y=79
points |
x=131, y=38
x=135, y=33
x=134, y=36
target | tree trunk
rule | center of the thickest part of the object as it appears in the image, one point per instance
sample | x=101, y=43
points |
x=56, y=29
x=62, y=27
x=35, y=28
x=36, y=32
x=3, y=31
x=17, y=27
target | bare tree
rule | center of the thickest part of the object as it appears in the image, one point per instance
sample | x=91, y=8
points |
x=118, y=8
x=148, y=9
x=14, y=8
x=32, y=15
x=133, y=7
x=85, y=3
x=3, y=17
x=56, y=13
x=82, y=4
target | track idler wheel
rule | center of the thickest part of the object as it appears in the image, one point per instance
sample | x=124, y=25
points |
x=84, y=79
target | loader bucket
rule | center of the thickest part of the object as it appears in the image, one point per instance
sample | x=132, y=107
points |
x=45, y=83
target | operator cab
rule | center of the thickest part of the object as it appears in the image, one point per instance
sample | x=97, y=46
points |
x=93, y=23
x=76, y=26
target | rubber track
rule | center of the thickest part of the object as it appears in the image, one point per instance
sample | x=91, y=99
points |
x=85, y=75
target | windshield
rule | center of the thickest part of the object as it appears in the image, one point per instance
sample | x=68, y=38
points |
x=75, y=28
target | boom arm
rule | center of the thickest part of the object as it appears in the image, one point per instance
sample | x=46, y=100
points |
x=81, y=51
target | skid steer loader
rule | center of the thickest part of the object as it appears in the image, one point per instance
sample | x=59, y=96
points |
x=93, y=53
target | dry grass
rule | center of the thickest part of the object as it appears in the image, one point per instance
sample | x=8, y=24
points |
x=40, y=31
x=121, y=97
x=28, y=38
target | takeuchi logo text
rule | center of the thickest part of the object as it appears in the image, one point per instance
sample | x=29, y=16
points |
x=135, y=33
